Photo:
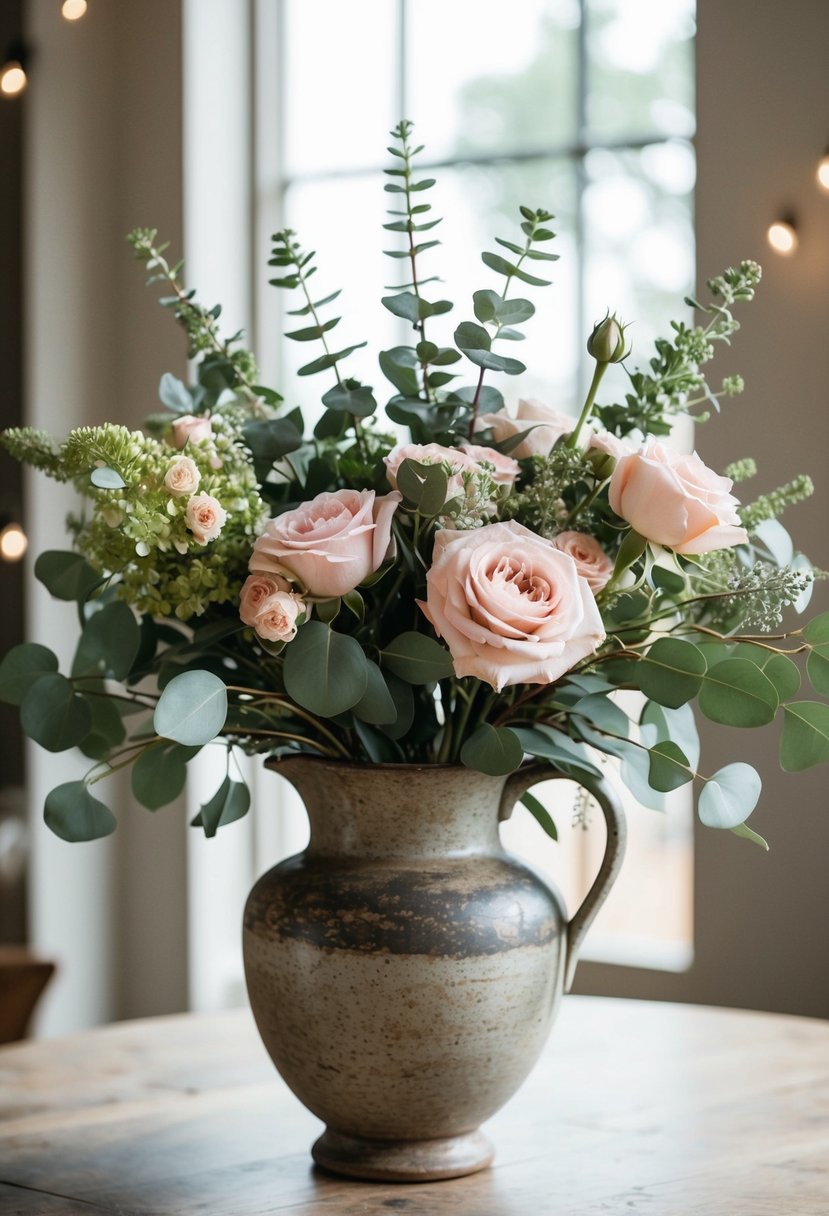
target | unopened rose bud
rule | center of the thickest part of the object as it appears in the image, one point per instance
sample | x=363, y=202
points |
x=607, y=343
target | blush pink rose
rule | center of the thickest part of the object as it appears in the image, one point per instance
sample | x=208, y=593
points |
x=592, y=563
x=432, y=453
x=506, y=469
x=510, y=606
x=205, y=517
x=267, y=604
x=189, y=428
x=182, y=477
x=548, y=424
x=611, y=445
x=331, y=543
x=675, y=500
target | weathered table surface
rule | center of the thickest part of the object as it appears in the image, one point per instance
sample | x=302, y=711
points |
x=636, y=1107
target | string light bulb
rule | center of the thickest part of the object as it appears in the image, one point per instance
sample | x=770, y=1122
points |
x=13, y=78
x=782, y=236
x=73, y=10
x=13, y=543
x=822, y=174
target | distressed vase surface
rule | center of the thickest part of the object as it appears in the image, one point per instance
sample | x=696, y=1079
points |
x=404, y=971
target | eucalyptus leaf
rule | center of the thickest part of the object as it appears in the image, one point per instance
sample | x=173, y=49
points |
x=671, y=672
x=493, y=750
x=540, y=813
x=159, y=774
x=230, y=802
x=377, y=704
x=109, y=643
x=73, y=814
x=54, y=715
x=107, y=479
x=325, y=671
x=729, y=797
x=107, y=729
x=735, y=692
x=418, y=659
x=66, y=576
x=21, y=666
x=192, y=708
x=669, y=767
x=805, y=740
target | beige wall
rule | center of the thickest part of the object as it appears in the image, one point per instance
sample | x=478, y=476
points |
x=103, y=154
x=763, y=120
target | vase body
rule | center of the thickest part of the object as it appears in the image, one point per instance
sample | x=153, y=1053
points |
x=403, y=971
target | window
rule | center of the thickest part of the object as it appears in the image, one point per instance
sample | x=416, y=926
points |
x=584, y=107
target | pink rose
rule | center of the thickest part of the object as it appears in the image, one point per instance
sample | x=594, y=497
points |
x=205, y=517
x=509, y=605
x=331, y=543
x=189, y=428
x=505, y=468
x=182, y=477
x=548, y=425
x=270, y=607
x=592, y=563
x=432, y=453
x=676, y=500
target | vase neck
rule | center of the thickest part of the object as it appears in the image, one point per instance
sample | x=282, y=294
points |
x=374, y=811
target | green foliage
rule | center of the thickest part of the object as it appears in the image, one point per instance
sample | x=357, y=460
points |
x=805, y=739
x=53, y=714
x=325, y=671
x=769, y=506
x=417, y=659
x=671, y=672
x=21, y=666
x=192, y=709
x=230, y=802
x=729, y=797
x=492, y=750
x=73, y=814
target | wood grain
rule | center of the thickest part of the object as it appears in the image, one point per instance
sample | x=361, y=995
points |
x=635, y=1107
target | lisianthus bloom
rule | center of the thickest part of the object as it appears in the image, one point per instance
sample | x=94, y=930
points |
x=675, y=500
x=548, y=424
x=268, y=603
x=510, y=606
x=592, y=563
x=331, y=543
x=205, y=517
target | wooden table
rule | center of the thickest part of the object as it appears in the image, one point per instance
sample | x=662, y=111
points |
x=636, y=1107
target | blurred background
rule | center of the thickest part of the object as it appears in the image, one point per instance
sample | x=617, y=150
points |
x=667, y=137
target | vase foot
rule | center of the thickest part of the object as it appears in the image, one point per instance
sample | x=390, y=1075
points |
x=403, y=1160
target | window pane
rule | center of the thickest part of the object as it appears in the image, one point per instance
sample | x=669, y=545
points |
x=640, y=67
x=479, y=80
x=339, y=93
x=639, y=255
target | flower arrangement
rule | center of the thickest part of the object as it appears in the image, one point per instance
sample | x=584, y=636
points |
x=464, y=581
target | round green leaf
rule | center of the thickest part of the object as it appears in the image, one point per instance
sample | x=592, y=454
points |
x=735, y=692
x=566, y=754
x=324, y=671
x=668, y=767
x=109, y=643
x=54, y=715
x=418, y=659
x=816, y=634
x=493, y=750
x=107, y=479
x=230, y=802
x=66, y=576
x=729, y=797
x=805, y=740
x=192, y=708
x=73, y=814
x=404, y=705
x=159, y=774
x=659, y=724
x=540, y=814
x=376, y=704
x=21, y=667
x=671, y=672
x=107, y=729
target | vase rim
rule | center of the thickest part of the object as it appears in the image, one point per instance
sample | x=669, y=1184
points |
x=329, y=762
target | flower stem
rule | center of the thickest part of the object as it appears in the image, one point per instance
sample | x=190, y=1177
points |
x=590, y=400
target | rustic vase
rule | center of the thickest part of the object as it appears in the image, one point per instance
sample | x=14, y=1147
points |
x=405, y=970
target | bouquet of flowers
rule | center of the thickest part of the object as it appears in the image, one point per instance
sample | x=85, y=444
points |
x=463, y=581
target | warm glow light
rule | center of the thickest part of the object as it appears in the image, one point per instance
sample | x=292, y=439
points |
x=782, y=237
x=823, y=172
x=12, y=79
x=13, y=543
x=73, y=10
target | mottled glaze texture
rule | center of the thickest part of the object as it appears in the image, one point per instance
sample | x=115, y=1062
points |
x=404, y=970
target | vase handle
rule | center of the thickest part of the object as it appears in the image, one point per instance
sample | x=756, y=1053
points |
x=607, y=798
